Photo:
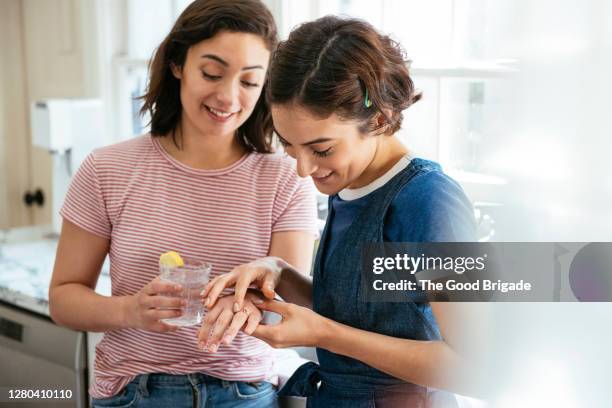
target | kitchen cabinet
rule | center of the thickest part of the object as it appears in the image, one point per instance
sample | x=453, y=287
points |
x=37, y=354
x=14, y=136
x=48, y=50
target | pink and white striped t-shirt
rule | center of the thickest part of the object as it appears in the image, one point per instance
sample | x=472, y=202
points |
x=147, y=203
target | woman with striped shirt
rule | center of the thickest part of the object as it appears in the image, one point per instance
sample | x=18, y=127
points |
x=202, y=183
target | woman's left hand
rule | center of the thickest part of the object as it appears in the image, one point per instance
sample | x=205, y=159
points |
x=300, y=326
x=221, y=324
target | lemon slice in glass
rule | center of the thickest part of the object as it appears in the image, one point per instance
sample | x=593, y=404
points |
x=171, y=259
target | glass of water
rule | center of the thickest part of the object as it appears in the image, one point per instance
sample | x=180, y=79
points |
x=192, y=276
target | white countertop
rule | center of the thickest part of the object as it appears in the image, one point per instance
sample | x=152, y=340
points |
x=27, y=256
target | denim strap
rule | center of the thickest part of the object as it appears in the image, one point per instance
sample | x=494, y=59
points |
x=304, y=382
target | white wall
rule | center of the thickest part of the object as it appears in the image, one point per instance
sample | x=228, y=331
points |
x=555, y=124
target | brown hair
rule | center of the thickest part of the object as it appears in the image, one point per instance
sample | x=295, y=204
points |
x=202, y=20
x=329, y=64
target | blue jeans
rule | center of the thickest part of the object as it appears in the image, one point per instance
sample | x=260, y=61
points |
x=190, y=391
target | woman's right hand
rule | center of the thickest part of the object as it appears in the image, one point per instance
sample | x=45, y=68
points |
x=264, y=273
x=154, y=302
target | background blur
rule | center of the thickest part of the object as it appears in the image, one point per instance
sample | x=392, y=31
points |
x=516, y=105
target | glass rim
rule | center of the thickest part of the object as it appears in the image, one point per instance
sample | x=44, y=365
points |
x=190, y=263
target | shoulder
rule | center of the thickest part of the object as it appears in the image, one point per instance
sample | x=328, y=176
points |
x=431, y=206
x=111, y=167
x=273, y=163
x=430, y=187
x=275, y=167
x=124, y=152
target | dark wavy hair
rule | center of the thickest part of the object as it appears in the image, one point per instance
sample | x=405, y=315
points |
x=202, y=20
x=329, y=64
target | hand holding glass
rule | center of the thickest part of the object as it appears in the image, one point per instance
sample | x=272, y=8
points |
x=192, y=276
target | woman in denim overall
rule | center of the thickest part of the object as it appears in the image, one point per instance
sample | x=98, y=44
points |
x=337, y=91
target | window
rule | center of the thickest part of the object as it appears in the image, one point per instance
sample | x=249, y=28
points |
x=133, y=31
x=460, y=66
x=456, y=64
x=502, y=80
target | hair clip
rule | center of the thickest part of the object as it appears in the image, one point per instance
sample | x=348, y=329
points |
x=367, y=101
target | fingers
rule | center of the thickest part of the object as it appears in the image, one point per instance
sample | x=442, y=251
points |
x=275, y=306
x=238, y=321
x=207, y=325
x=247, y=277
x=158, y=285
x=162, y=327
x=209, y=286
x=242, y=285
x=267, y=287
x=252, y=323
x=254, y=296
x=263, y=273
x=150, y=319
x=222, y=325
x=164, y=302
x=155, y=301
x=214, y=337
x=219, y=284
x=158, y=314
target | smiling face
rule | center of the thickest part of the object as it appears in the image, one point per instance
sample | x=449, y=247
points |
x=332, y=151
x=221, y=81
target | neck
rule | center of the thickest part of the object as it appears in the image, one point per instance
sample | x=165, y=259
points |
x=388, y=152
x=202, y=151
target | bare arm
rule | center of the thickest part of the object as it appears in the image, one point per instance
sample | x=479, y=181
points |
x=296, y=248
x=443, y=364
x=438, y=363
x=73, y=302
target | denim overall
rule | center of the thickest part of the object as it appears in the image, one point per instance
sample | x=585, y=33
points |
x=346, y=382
